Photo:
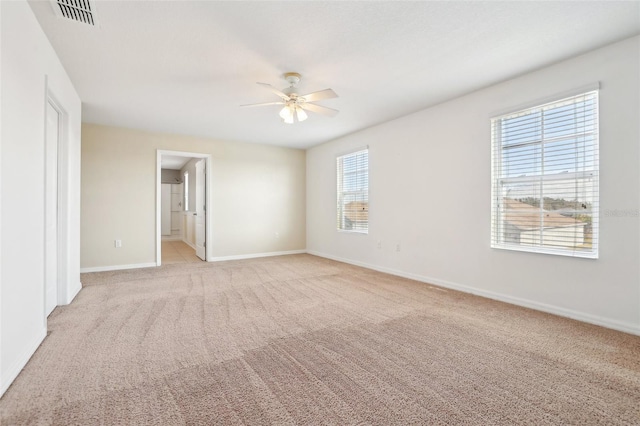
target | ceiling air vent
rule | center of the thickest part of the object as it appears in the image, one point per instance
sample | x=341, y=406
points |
x=76, y=10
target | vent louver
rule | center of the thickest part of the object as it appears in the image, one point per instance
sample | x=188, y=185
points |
x=76, y=10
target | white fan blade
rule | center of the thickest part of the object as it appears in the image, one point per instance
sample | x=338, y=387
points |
x=319, y=109
x=322, y=94
x=276, y=91
x=263, y=104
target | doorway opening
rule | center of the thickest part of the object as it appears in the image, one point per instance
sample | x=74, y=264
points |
x=182, y=217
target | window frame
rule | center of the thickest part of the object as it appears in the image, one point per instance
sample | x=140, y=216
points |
x=498, y=212
x=360, y=194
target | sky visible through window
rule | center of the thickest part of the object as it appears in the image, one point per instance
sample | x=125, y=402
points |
x=355, y=175
x=550, y=142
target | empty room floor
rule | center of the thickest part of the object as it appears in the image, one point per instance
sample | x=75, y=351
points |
x=302, y=340
x=178, y=252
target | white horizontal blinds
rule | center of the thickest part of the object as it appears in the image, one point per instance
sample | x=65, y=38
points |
x=353, y=191
x=545, y=178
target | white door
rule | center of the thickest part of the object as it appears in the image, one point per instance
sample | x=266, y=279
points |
x=165, y=209
x=51, y=209
x=200, y=209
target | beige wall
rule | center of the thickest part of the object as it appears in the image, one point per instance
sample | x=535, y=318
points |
x=258, y=195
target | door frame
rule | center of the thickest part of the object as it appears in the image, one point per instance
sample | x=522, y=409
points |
x=208, y=214
x=201, y=189
x=63, y=202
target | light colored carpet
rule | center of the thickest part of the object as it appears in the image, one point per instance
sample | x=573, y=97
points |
x=304, y=340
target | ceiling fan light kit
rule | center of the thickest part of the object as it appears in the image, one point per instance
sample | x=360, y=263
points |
x=294, y=104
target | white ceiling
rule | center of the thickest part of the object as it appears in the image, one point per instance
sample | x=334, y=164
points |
x=186, y=66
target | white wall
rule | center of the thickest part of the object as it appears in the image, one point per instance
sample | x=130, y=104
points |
x=430, y=192
x=2, y=380
x=257, y=191
x=27, y=60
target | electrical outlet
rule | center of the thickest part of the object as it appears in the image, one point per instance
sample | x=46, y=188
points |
x=379, y=244
x=117, y=243
x=277, y=235
x=397, y=246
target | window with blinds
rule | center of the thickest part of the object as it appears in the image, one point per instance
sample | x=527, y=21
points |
x=545, y=178
x=353, y=191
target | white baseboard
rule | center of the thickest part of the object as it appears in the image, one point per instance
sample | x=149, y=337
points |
x=12, y=372
x=255, y=255
x=118, y=267
x=626, y=327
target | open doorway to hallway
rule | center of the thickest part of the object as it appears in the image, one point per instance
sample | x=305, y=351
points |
x=181, y=208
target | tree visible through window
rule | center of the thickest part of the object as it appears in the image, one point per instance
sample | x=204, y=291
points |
x=353, y=191
x=545, y=178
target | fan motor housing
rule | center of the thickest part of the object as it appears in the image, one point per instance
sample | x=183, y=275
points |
x=290, y=91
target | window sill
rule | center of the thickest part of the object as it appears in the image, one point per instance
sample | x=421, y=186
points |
x=546, y=250
x=349, y=231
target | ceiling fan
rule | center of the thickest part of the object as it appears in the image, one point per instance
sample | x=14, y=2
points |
x=296, y=104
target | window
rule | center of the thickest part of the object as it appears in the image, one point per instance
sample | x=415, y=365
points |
x=353, y=191
x=545, y=178
x=186, y=191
